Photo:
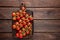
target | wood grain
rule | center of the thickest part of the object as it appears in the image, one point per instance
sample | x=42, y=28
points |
x=38, y=13
x=31, y=3
x=46, y=13
x=9, y=2
x=5, y=26
x=5, y=35
x=46, y=36
x=36, y=36
x=46, y=25
x=5, y=13
x=39, y=26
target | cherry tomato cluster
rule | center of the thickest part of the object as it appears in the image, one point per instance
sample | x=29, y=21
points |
x=22, y=24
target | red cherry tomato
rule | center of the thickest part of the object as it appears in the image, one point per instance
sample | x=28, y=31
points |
x=14, y=26
x=20, y=36
x=21, y=25
x=17, y=28
x=20, y=31
x=24, y=23
x=17, y=34
x=24, y=34
x=28, y=32
x=23, y=8
x=18, y=18
x=20, y=21
x=25, y=26
x=14, y=18
x=17, y=23
x=17, y=13
x=13, y=14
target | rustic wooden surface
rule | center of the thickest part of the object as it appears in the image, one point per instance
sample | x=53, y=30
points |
x=39, y=26
x=31, y=3
x=36, y=36
x=39, y=13
x=46, y=15
x=5, y=26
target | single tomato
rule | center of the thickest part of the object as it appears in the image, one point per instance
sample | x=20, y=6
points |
x=23, y=8
x=23, y=29
x=21, y=35
x=30, y=18
x=14, y=26
x=18, y=18
x=17, y=23
x=20, y=21
x=17, y=28
x=29, y=23
x=14, y=18
x=24, y=34
x=27, y=32
x=20, y=31
x=23, y=18
x=24, y=23
x=21, y=25
x=17, y=13
x=13, y=14
x=17, y=34
x=26, y=26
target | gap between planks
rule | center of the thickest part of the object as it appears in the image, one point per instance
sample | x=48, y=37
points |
x=26, y=7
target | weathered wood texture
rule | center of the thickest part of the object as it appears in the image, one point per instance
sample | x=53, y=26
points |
x=47, y=26
x=38, y=13
x=5, y=35
x=36, y=36
x=42, y=9
x=39, y=26
x=5, y=13
x=31, y=3
x=5, y=26
x=46, y=36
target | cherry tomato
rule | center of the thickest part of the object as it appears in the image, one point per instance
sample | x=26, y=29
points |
x=21, y=35
x=18, y=18
x=14, y=18
x=13, y=14
x=14, y=26
x=28, y=32
x=17, y=34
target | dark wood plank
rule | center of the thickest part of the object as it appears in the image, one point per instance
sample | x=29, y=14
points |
x=46, y=25
x=42, y=3
x=9, y=3
x=46, y=13
x=46, y=36
x=38, y=13
x=5, y=35
x=6, y=13
x=31, y=3
x=39, y=26
x=36, y=36
x=5, y=26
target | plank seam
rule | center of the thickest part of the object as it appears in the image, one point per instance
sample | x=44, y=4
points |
x=27, y=7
